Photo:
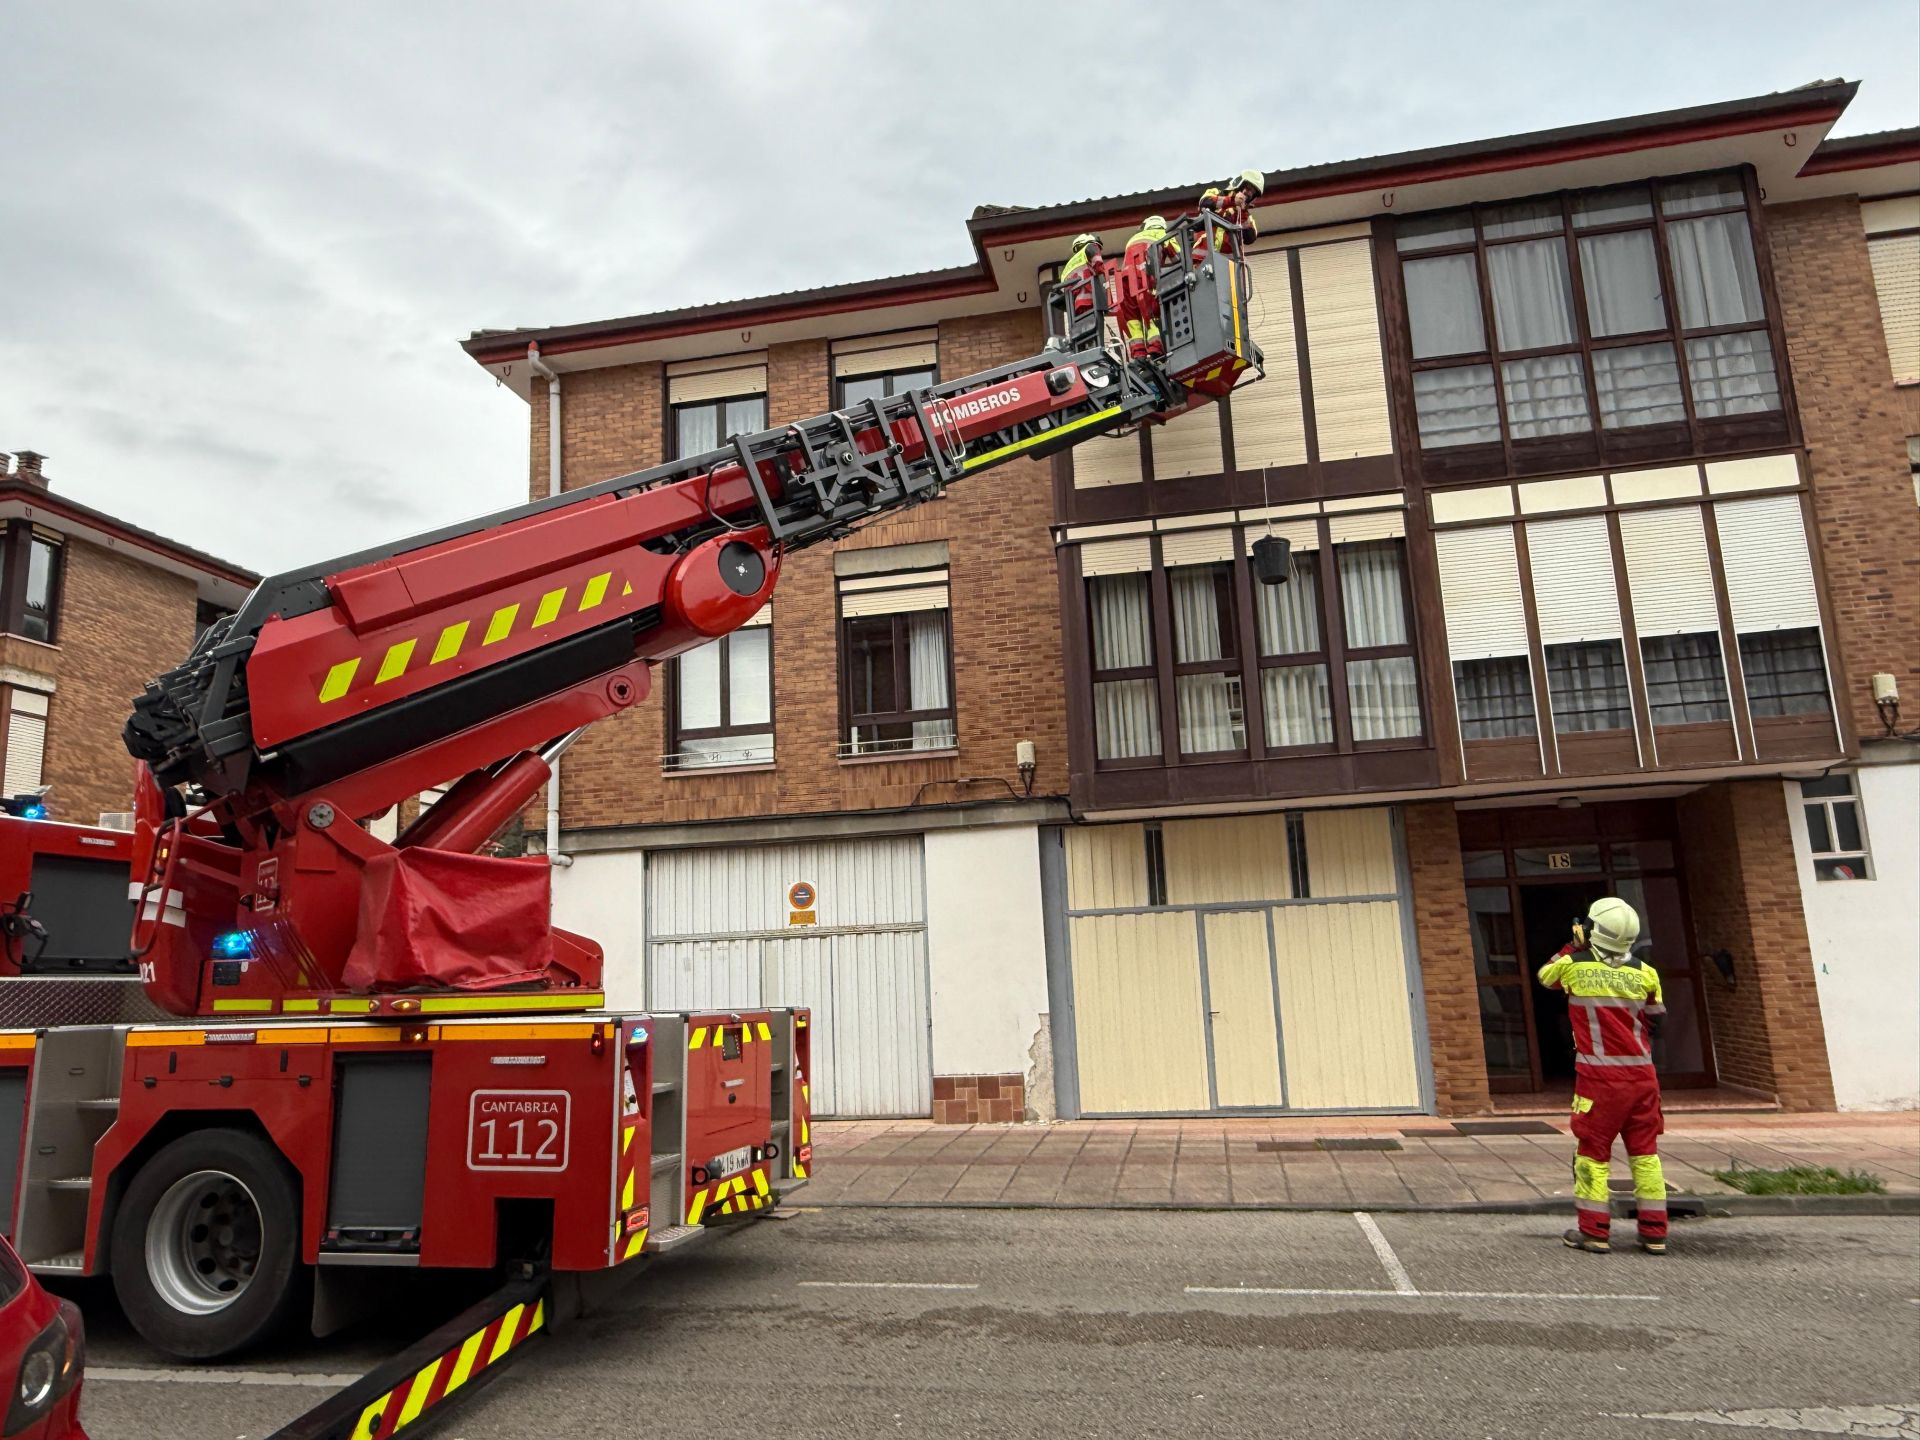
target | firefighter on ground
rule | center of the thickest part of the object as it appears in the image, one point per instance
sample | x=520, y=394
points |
x=1085, y=269
x=1611, y=998
x=1233, y=203
x=1137, y=295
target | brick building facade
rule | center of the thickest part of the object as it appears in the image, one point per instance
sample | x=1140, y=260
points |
x=94, y=608
x=1589, y=594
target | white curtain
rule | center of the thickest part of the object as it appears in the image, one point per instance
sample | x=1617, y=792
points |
x=1196, y=612
x=1456, y=406
x=927, y=677
x=1383, y=698
x=1686, y=679
x=1289, y=614
x=749, y=676
x=1714, y=275
x=1588, y=683
x=1638, y=385
x=1370, y=590
x=1732, y=374
x=1299, y=710
x=1126, y=713
x=1622, y=279
x=696, y=430
x=1495, y=698
x=1532, y=294
x=698, y=688
x=1546, y=395
x=744, y=417
x=1443, y=306
x=1211, y=717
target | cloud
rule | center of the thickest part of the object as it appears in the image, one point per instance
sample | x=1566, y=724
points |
x=242, y=242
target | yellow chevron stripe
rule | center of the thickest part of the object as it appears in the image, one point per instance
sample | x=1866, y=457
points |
x=595, y=592
x=501, y=625
x=549, y=610
x=417, y=1394
x=539, y=1318
x=368, y=1424
x=626, y=1138
x=699, y=1037
x=338, y=679
x=634, y=1245
x=699, y=1204
x=626, y=589
x=399, y=656
x=799, y=1171
x=760, y=1182
x=463, y=1364
x=765, y=1033
x=746, y=1034
x=450, y=641
x=626, y=1193
x=503, y=1342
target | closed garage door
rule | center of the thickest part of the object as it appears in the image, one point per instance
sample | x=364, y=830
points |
x=720, y=936
x=1241, y=963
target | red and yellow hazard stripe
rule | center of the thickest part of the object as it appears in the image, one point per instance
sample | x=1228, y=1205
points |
x=402, y=1406
x=714, y=1036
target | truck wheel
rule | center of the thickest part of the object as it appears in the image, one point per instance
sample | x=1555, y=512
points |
x=206, y=1245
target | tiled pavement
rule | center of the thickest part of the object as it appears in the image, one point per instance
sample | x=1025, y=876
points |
x=1282, y=1161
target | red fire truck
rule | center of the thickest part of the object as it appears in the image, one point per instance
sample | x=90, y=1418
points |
x=367, y=1053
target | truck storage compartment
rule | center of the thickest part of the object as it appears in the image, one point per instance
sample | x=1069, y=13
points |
x=379, y=1153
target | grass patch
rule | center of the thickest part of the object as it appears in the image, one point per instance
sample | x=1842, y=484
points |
x=1801, y=1180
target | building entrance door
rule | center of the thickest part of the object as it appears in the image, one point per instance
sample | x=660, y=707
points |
x=1529, y=873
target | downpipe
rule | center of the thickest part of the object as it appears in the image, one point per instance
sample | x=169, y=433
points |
x=552, y=377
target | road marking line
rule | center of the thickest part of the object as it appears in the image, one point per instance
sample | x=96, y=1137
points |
x=881, y=1285
x=1390, y=1262
x=1411, y=1294
x=286, y=1378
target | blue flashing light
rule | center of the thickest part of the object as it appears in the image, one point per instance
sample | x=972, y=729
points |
x=234, y=945
x=34, y=812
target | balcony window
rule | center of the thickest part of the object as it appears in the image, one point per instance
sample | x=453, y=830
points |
x=1495, y=697
x=898, y=682
x=1587, y=684
x=1293, y=665
x=1126, y=702
x=1786, y=673
x=1206, y=660
x=723, y=702
x=1686, y=680
x=1383, y=691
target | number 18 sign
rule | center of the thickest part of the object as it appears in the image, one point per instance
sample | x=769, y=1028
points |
x=518, y=1129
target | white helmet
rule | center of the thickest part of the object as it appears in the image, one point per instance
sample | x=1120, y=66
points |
x=1252, y=180
x=1080, y=242
x=1154, y=222
x=1612, y=927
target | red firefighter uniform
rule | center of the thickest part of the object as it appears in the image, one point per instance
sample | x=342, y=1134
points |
x=1085, y=268
x=1233, y=203
x=1610, y=998
x=1136, y=292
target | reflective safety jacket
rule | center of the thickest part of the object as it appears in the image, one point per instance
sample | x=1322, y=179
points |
x=1609, y=1005
x=1075, y=280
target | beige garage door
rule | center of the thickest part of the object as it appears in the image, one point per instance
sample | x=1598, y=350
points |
x=1241, y=963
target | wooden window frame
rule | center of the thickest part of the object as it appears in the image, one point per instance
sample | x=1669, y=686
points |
x=1298, y=659
x=678, y=735
x=718, y=404
x=1605, y=446
x=850, y=718
x=1231, y=664
x=890, y=377
x=1334, y=653
x=1831, y=856
x=1149, y=671
x=16, y=557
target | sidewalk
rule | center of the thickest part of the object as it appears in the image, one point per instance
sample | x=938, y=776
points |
x=1342, y=1162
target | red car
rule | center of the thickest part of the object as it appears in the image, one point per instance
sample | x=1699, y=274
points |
x=42, y=1352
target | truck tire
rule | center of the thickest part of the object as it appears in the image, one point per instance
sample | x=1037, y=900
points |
x=206, y=1245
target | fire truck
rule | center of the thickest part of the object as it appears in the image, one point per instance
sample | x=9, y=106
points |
x=368, y=1053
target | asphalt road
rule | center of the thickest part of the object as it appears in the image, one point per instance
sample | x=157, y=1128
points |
x=848, y=1323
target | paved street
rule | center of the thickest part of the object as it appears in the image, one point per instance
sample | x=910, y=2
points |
x=860, y=1322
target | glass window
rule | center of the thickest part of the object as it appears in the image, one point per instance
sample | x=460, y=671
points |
x=1496, y=950
x=1701, y=192
x=1383, y=698
x=1495, y=698
x=1523, y=217
x=1546, y=395
x=1503, y=1032
x=1532, y=293
x=1484, y=864
x=723, y=702
x=1206, y=680
x=1458, y=406
x=1732, y=374
x=43, y=589
x=1619, y=206
x=878, y=387
x=1785, y=671
x=898, y=682
x=1835, y=834
x=1686, y=679
x=1714, y=274
x=1383, y=693
x=1638, y=385
x=1435, y=232
x=1622, y=278
x=709, y=424
x=1126, y=700
x=1587, y=683
x=1294, y=696
x=1443, y=306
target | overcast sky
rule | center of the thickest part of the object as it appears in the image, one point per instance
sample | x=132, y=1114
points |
x=241, y=241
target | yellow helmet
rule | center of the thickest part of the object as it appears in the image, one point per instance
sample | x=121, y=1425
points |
x=1253, y=180
x=1612, y=927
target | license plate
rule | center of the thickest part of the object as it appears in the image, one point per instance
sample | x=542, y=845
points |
x=730, y=1163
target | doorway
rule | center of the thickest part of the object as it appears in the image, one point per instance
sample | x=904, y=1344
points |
x=1529, y=873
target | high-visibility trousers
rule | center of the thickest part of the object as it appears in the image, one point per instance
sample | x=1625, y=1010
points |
x=1628, y=1108
x=1137, y=304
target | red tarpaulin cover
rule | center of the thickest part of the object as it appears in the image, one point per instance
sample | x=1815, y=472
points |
x=437, y=918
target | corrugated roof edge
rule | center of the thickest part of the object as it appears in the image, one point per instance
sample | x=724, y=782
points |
x=1001, y=223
